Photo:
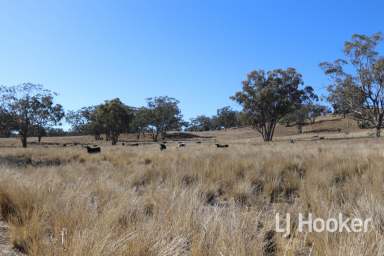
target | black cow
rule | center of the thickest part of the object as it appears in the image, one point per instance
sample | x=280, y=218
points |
x=182, y=145
x=163, y=147
x=93, y=150
x=222, y=145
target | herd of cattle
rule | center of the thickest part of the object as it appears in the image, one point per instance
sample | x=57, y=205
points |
x=97, y=149
x=163, y=145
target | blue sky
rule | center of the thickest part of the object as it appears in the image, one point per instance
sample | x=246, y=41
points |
x=197, y=51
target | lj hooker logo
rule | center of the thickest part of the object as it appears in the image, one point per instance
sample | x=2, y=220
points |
x=318, y=225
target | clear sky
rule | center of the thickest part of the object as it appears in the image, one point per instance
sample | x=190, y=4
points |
x=197, y=51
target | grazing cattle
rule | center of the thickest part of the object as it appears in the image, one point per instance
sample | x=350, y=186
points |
x=322, y=138
x=93, y=150
x=134, y=144
x=222, y=145
x=182, y=145
x=163, y=147
x=123, y=144
x=198, y=142
x=292, y=141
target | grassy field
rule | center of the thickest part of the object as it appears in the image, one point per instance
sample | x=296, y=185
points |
x=197, y=200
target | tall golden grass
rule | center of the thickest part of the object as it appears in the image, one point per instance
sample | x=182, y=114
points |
x=197, y=200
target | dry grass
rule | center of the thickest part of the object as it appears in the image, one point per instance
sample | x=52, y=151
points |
x=197, y=200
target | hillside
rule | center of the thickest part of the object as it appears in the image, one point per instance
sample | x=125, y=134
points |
x=331, y=127
x=327, y=128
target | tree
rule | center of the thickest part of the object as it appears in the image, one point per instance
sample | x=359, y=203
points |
x=48, y=114
x=165, y=115
x=55, y=132
x=316, y=110
x=83, y=121
x=360, y=78
x=7, y=122
x=268, y=97
x=338, y=97
x=227, y=117
x=30, y=105
x=141, y=120
x=203, y=123
x=115, y=117
x=306, y=112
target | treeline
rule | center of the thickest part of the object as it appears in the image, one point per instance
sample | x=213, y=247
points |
x=228, y=118
x=267, y=98
x=113, y=117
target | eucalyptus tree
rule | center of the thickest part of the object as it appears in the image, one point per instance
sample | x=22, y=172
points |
x=141, y=120
x=227, y=117
x=360, y=79
x=267, y=97
x=114, y=117
x=165, y=115
x=30, y=106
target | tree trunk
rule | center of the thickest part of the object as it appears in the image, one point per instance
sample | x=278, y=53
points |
x=155, y=136
x=24, y=135
x=268, y=130
x=114, y=139
x=24, y=141
x=267, y=135
x=163, y=135
x=300, y=128
x=40, y=132
x=108, y=135
x=379, y=124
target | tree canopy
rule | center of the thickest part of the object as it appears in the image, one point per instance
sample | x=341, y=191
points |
x=267, y=97
x=358, y=80
x=227, y=117
x=114, y=117
x=165, y=115
x=30, y=106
